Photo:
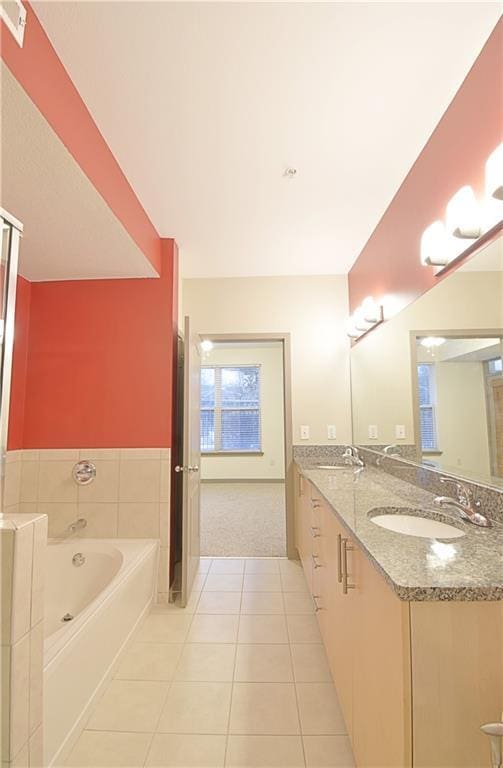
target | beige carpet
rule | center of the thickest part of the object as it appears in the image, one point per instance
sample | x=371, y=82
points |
x=243, y=519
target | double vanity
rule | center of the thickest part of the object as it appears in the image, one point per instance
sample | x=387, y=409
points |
x=409, y=599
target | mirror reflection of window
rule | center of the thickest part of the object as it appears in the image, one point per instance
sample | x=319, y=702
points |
x=427, y=402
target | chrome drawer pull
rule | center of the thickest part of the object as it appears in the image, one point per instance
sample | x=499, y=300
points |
x=314, y=558
x=345, y=548
x=315, y=504
x=315, y=535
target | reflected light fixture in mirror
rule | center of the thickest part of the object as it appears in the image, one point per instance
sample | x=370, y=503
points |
x=436, y=248
x=463, y=215
x=494, y=174
x=364, y=318
x=206, y=345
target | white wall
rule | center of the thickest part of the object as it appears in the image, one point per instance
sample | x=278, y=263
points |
x=270, y=465
x=381, y=362
x=314, y=311
x=462, y=418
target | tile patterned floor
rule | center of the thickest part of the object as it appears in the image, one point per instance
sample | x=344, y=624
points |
x=239, y=678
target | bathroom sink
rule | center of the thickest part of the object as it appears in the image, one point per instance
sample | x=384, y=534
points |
x=412, y=522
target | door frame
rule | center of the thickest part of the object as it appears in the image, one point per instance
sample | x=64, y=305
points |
x=285, y=339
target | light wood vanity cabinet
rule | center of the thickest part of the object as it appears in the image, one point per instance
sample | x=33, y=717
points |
x=415, y=679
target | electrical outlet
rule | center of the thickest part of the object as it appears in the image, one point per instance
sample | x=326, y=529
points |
x=372, y=431
x=331, y=432
x=304, y=432
x=400, y=431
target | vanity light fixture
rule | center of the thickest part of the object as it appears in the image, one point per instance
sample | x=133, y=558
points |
x=463, y=215
x=435, y=247
x=365, y=317
x=206, y=345
x=494, y=174
x=432, y=341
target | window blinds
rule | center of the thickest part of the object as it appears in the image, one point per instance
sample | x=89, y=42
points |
x=427, y=402
x=230, y=408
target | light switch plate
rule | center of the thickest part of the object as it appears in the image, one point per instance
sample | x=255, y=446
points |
x=373, y=432
x=304, y=432
x=331, y=432
x=400, y=431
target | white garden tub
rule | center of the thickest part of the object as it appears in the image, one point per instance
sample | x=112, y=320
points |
x=106, y=596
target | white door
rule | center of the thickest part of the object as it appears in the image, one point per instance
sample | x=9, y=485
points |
x=191, y=462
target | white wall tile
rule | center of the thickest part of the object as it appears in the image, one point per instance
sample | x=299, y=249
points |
x=99, y=454
x=129, y=454
x=12, y=482
x=164, y=523
x=40, y=529
x=21, y=583
x=105, y=486
x=60, y=516
x=36, y=676
x=29, y=481
x=165, y=489
x=139, y=480
x=139, y=520
x=6, y=580
x=19, y=695
x=101, y=520
x=163, y=573
x=56, y=482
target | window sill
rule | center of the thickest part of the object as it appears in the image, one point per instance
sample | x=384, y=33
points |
x=232, y=453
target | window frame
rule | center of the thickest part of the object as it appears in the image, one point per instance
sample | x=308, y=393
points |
x=218, y=410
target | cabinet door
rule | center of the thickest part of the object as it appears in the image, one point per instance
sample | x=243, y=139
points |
x=381, y=673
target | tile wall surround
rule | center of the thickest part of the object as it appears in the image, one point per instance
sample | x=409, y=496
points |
x=129, y=498
x=23, y=541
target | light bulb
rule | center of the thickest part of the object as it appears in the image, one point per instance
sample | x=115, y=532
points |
x=463, y=215
x=372, y=311
x=206, y=345
x=436, y=248
x=351, y=329
x=494, y=174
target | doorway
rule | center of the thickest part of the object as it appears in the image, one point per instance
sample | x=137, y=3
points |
x=245, y=452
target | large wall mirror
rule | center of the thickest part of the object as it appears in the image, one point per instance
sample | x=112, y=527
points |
x=429, y=382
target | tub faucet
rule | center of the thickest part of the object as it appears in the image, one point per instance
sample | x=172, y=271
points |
x=352, y=456
x=464, y=503
x=77, y=525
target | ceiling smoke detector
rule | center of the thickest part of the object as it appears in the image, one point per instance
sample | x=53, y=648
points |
x=290, y=173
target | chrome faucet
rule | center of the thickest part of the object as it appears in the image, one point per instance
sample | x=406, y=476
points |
x=464, y=502
x=77, y=525
x=392, y=450
x=352, y=456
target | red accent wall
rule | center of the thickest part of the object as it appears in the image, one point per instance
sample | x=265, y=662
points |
x=455, y=155
x=93, y=362
x=40, y=72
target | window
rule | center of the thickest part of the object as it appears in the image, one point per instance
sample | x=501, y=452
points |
x=230, y=409
x=427, y=403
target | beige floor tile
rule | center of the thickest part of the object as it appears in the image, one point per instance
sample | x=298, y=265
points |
x=219, y=602
x=319, y=708
x=264, y=708
x=310, y=663
x=227, y=565
x=328, y=752
x=223, y=582
x=263, y=664
x=108, y=749
x=290, y=566
x=262, y=629
x=166, y=627
x=196, y=708
x=205, y=564
x=264, y=752
x=299, y=603
x=129, y=705
x=262, y=603
x=206, y=662
x=262, y=582
x=213, y=628
x=303, y=628
x=261, y=566
x=294, y=582
x=175, y=750
x=149, y=661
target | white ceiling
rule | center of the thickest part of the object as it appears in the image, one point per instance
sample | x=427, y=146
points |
x=70, y=233
x=205, y=104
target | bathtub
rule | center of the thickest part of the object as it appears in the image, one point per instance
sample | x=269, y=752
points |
x=106, y=596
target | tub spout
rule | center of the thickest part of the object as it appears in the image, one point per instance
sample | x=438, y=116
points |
x=77, y=525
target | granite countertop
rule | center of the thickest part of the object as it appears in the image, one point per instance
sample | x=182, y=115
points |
x=465, y=568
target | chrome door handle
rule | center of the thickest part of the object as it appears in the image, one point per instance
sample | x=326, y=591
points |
x=315, y=528
x=339, y=558
x=315, y=504
x=195, y=468
x=314, y=558
x=178, y=468
x=345, y=548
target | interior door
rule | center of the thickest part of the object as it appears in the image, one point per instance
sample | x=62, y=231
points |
x=191, y=463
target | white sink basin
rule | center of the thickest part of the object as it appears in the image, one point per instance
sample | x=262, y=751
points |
x=414, y=525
